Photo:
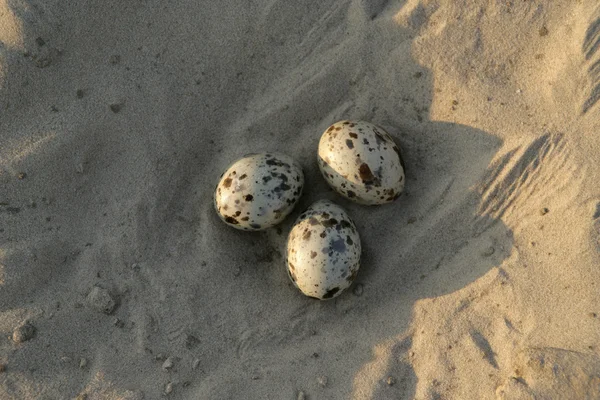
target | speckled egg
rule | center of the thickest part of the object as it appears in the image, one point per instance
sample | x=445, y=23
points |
x=258, y=191
x=361, y=162
x=323, y=251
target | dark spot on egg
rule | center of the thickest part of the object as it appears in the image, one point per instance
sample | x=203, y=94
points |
x=248, y=197
x=338, y=245
x=266, y=179
x=255, y=226
x=282, y=187
x=353, y=135
x=227, y=182
x=245, y=218
x=231, y=220
x=329, y=222
x=323, y=234
x=366, y=175
x=349, y=240
x=351, y=194
x=237, y=213
x=306, y=235
x=313, y=254
x=349, y=143
x=331, y=292
x=313, y=221
x=243, y=176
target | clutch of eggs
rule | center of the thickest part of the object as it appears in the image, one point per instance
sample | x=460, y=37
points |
x=361, y=162
x=323, y=251
x=258, y=191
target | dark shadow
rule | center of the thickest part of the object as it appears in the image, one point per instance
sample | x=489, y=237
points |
x=177, y=270
x=589, y=48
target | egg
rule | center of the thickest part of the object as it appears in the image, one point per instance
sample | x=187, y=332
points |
x=323, y=251
x=258, y=191
x=361, y=162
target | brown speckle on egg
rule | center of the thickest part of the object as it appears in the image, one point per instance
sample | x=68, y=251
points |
x=231, y=220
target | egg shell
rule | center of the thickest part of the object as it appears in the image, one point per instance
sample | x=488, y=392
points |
x=258, y=191
x=361, y=162
x=323, y=251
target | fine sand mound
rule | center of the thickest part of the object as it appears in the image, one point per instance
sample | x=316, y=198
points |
x=119, y=281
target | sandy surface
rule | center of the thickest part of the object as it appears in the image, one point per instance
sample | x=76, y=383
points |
x=119, y=281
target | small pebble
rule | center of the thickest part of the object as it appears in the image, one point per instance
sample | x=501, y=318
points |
x=80, y=93
x=543, y=31
x=23, y=333
x=48, y=57
x=301, y=395
x=118, y=323
x=195, y=364
x=2, y=367
x=116, y=107
x=390, y=381
x=544, y=211
x=39, y=41
x=21, y=175
x=168, y=364
x=100, y=300
x=593, y=315
x=160, y=357
x=322, y=381
x=82, y=396
x=83, y=362
x=488, y=252
x=358, y=289
x=191, y=342
x=168, y=388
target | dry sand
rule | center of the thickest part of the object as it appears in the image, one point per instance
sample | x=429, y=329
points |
x=118, y=280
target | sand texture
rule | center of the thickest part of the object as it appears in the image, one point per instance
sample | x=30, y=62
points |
x=119, y=281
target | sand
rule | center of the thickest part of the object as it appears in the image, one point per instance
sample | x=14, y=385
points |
x=119, y=281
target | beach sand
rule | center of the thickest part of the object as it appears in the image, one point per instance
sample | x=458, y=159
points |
x=119, y=281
